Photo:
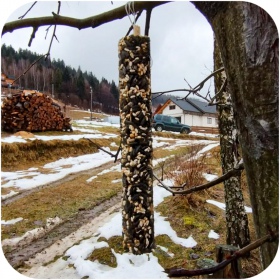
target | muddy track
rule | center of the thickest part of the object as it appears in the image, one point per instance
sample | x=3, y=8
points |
x=18, y=256
x=22, y=253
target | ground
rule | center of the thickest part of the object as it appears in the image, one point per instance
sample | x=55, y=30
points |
x=83, y=203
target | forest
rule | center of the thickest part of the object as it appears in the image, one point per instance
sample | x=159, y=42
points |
x=69, y=85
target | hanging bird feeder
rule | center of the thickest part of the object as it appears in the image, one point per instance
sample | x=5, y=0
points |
x=136, y=143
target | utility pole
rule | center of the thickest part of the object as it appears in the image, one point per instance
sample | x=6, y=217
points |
x=91, y=103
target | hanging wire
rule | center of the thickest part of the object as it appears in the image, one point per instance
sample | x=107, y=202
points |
x=129, y=8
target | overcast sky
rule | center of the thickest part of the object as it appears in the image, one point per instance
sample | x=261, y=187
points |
x=181, y=39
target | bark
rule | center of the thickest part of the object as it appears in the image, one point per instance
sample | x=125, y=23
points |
x=248, y=41
x=236, y=218
x=90, y=22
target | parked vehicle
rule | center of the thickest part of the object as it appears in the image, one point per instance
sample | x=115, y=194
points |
x=163, y=122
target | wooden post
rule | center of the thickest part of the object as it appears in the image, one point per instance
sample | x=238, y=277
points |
x=136, y=144
x=233, y=270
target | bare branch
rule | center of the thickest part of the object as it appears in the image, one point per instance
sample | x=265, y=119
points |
x=109, y=153
x=21, y=17
x=32, y=36
x=54, y=30
x=37, y=60
x=148, y=19
x=90, y=22
x=194, y=90
x=175, y=272
x=218, y=93
x=235, y=171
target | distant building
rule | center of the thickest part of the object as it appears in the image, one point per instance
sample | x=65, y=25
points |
x=7, y=81
x=192, y=112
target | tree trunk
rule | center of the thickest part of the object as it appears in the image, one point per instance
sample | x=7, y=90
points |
x=248, y=41
x=237, y=221
x=136, y=144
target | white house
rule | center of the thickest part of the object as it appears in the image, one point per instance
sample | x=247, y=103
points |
x=190, y=111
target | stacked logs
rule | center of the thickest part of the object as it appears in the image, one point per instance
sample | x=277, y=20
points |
x=136, y=144
x=32, y=111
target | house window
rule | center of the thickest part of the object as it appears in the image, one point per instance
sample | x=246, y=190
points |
x=209, y=120
x=216, y=121
x=172, y=107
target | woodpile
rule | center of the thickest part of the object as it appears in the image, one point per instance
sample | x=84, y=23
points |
x=32, y=111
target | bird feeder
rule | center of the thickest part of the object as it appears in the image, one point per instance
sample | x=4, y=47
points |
x=136, y=143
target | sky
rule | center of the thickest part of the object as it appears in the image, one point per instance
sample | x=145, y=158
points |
x=181, y=40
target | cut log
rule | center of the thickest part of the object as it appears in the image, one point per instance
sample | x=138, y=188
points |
x=32, y=112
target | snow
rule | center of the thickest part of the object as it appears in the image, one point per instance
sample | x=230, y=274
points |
x=209, y=177
x=11, y=222
x=223, y=206
x=75, y=248
x=213, y=234
x=59, y=169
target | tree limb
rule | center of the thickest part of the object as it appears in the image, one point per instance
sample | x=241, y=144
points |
x=192, y=90
x=109, y=153
x=175, y=272
x=235, y=171
x=90, y=22
x=148, y=19
x=21, y=17
x=29, y=67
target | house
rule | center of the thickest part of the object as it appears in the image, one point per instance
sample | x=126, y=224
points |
x=7, y=81
x=193, y=112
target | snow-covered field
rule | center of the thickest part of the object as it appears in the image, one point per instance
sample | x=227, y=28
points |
x=74, y=249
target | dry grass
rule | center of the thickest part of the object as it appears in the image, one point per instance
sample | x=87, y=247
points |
x=63, y=201
x=191, y=215
x=76, y=114
x=15, y=156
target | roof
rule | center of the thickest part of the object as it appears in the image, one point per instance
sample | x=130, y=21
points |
x=194, y=105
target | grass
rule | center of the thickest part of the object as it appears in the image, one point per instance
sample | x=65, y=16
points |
x=79, y=115
x=63, y=201
x=15, y=156
x=188, y=215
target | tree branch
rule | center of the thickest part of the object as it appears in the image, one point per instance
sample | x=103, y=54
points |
x=175, y=272
x=21, y=17
x=235, y=171
x=37, y=60
x=191, y=90
x=148, y=19
x=90, y=22
x=109, y=153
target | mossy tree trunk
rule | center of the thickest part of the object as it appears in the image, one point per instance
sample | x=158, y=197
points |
x=236, y=218
x=248, y=41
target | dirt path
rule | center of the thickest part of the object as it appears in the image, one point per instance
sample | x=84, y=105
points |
x=18, y=256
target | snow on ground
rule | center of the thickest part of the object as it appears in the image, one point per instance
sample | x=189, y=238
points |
x=213, y=234
x=209, y=177
x=59, y=169
x=72, y=263
x=223, y=206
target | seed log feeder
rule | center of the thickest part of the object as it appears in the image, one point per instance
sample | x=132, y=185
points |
x=136, y=143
